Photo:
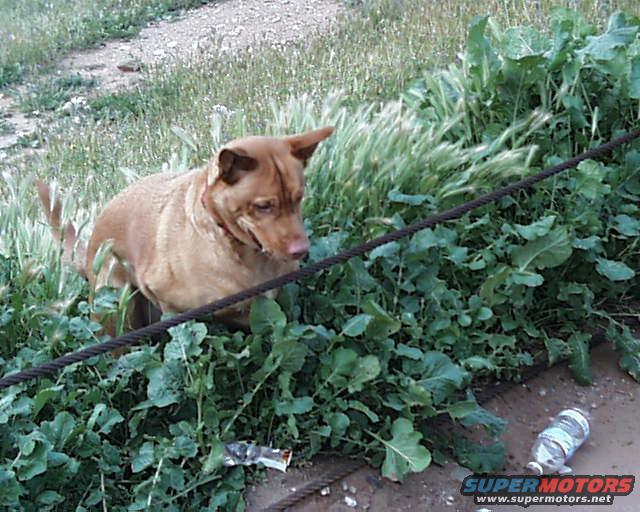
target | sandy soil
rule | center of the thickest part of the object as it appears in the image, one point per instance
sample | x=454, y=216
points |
x=614, y=448
x=229, y=25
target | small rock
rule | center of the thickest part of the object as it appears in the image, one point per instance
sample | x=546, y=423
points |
x=352, y=489
x=129, y=66
x=542, y=392
x=350, y=502
x=345, y=486
x=325, y=491
x=450, y=500
x=293, y=489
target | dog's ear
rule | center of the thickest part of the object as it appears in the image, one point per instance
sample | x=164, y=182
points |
x=304, y=144
x=232, y=165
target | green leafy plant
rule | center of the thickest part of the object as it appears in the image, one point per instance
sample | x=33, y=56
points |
x=52, y=94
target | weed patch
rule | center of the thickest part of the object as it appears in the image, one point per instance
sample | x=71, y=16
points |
x=36, y=33
x=52, y=94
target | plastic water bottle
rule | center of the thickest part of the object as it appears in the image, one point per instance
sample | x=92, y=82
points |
x=557, y=443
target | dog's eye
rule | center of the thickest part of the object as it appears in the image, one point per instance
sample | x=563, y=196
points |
x=263, y=207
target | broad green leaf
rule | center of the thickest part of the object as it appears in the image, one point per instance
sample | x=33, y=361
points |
x=105, y=417
x=626, y=225
x=548, y=251
x=43, y=396
x=367, y=368
x=342, y=363
x=381, y=325
x=357, y=405
x=384, y=251
x=634, y=78
x=521, y=42
x=339, y=422
x=479, y=458
x=423, y=241
x=184, y=447
x=500, y=341
x=356, y=325
x=59, y=429
x=587, y=244
x=49, y=498
x=413, y=394
x=556, y=348
x=478, y=363
x=326, y=246
x=536, y=229
x=409, y=352
x=214, y=459
x=404, y=453
x=614, y=270
x=166, y=383
x=144, y=457
x=590, y=174
x=266, y=316
x=484, y=313
x=34, y=452
x=480, y=59
x=438, y=374
x=526, y=278
x=185, y=341
x=395, y=196
x=495, y=280
x=630, y=363
x=579, y=360
x=607, y=46
x=629, y=347
x=292, y=354
x=10, y=489
x=493, y=424
x=295, y=406
x=461, y=409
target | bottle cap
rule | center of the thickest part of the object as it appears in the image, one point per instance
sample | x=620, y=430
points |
x=535, y=468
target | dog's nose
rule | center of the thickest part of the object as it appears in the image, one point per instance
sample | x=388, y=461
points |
x=298, y=249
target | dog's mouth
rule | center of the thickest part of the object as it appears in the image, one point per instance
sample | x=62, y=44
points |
x=260, y=247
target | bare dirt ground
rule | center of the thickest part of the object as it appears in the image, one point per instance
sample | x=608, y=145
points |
x=229, y=25
x=613, y=448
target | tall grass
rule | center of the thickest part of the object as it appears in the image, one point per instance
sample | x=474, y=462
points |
x=34, y=33
x=371, y=55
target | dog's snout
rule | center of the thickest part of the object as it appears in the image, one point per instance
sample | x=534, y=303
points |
x=298, y=249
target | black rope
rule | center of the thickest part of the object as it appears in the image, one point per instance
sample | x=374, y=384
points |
x=157, y=328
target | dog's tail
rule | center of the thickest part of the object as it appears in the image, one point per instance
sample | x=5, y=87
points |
x=74, y=252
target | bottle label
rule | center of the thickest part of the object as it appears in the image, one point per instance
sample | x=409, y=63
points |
x=566, y=442
x=579, y=418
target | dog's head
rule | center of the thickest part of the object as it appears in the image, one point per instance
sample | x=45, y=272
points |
x=255, y=189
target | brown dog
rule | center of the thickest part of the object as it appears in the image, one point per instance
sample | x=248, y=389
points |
x=183, y=240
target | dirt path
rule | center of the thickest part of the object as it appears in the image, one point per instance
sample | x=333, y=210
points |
x=228, y=25
x=612, y=449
